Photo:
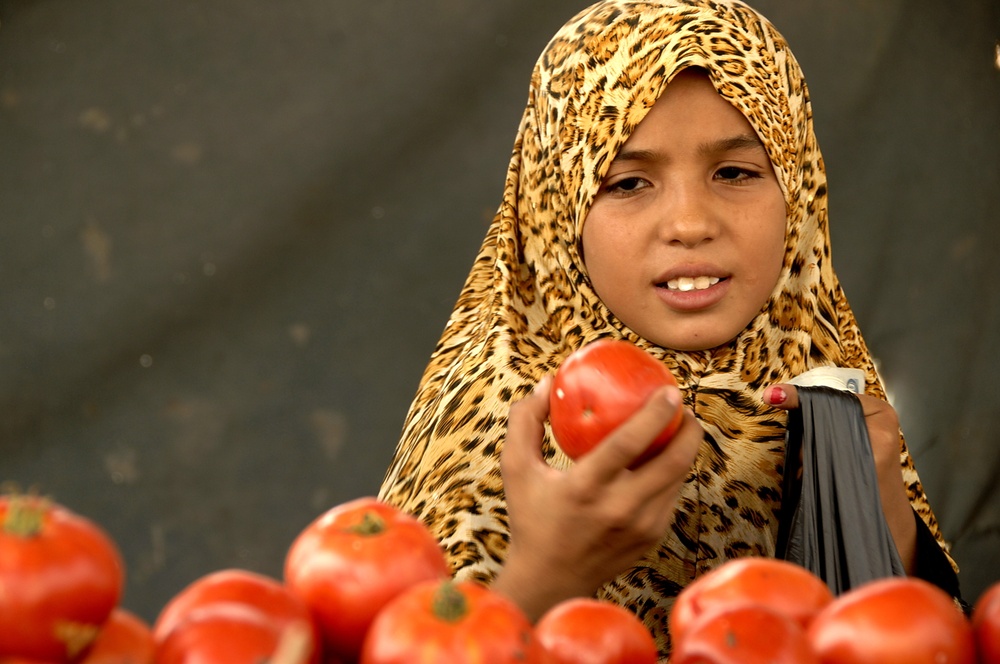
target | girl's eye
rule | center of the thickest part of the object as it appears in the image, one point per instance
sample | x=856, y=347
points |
x=735, y=174
x=626, y=186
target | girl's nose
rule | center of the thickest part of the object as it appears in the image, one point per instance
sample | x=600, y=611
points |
x=688, y=218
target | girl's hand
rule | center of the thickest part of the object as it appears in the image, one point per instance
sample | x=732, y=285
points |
x=572, y=530
x=883, y=431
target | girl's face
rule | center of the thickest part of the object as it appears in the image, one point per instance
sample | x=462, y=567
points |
x=685, y=240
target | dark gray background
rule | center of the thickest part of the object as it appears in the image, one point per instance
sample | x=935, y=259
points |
x=231, y=232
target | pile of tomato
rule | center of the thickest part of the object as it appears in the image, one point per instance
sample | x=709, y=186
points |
x=367, y=583
x=766, y=611
x=364, y=582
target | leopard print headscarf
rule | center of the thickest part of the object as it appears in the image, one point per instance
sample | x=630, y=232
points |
x=528, y=303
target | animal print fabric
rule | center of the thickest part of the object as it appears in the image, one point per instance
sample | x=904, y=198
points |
x=527, y=302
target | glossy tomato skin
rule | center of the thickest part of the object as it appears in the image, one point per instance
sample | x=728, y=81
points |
x=60, y=579
x=273, y=598
x=590, y=631
x=600, y=386
x=783, y=586
x=744, y=634
x=124, y=639
x=220, y=633
x=900, y=620
x=986, y=625
x=421, y=626
x=352, y=560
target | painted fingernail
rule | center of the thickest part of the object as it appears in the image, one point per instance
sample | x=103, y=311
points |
x=776, y=396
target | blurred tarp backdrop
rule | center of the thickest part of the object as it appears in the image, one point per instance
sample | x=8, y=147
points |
x=232, y=231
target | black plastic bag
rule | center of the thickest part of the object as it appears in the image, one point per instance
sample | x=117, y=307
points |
x=832, y=522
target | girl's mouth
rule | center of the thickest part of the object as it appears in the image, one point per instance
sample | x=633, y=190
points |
x=685, y=284
x=692, y=294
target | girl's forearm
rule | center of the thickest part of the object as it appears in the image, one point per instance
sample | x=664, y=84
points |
x=534, y=592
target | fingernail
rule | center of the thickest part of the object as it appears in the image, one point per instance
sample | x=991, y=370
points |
x=776, y=396
x=543, y=384
x=672, y=395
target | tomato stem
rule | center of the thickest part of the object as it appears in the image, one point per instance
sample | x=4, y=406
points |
x=450, y=604
x=24, y=515
x=371, y=524
x=76, y=636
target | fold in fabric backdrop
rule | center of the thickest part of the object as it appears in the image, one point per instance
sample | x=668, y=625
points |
x=837, y=529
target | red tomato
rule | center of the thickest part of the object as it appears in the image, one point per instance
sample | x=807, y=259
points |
x=744, y=634
x=986, y=625
x=263, y=593
x=600, y=386
x=347, y=564
x=590, y=631
x=454, y=622
x=124, y=639
x=60, y=577
x=230, y=633
x=900, y=620
x=778, y=584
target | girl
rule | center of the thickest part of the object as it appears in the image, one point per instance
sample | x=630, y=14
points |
x=665, y=188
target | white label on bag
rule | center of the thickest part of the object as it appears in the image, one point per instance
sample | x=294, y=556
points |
x=841, y=378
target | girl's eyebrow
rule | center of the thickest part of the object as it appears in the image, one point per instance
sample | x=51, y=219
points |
x=740, y=142
x=636, y=155
x=728, y=144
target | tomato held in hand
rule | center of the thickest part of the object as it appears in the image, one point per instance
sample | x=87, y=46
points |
x=269, y=596
x=986, y=625
x=124, y=639
x=902, y=620
x=583, y=629
x=600, y=386
x=777, y=584
x=60, y=577
x=347, y=564
x=745, y=634
x=454, y=622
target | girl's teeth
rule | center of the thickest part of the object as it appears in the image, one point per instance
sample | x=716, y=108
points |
x=692, y=283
